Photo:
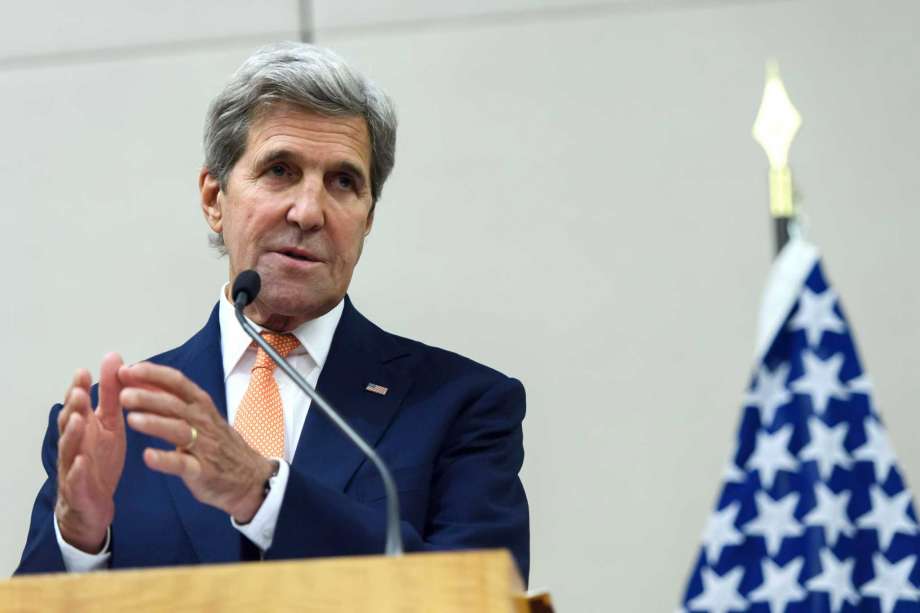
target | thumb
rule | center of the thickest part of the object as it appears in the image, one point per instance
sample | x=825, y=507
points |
x=109, y=411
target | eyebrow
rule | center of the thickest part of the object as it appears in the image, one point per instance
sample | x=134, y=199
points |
x=289, y=155
x=274, y=154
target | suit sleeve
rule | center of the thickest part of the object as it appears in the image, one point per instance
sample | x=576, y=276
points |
x=476, y=497
x=41, y=553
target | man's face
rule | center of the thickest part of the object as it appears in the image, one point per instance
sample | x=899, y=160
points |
x=296, y=208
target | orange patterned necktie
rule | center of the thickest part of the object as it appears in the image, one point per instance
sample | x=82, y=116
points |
x=260, y=416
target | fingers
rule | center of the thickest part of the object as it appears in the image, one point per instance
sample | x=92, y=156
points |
x=175, y=463
x=69, y=443
x=148, y=374
x=77, y=403
x=175, y=431
x=81, y=379
x=109, y=412
x=153, y=401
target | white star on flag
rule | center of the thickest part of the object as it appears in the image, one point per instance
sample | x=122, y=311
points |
x=860, y=385
x=733, y=474
x=887, y=516
x=771, y=454
x=816, y=315
x=891, y=582
x=812, y=514
x=821, y=380
x=780, y=585
x=830, y=512
x=720, y=594
x=769, y=393
x=775, y=520
x=720, y=531
x=877, y=449
x=826, y=447
x=836, y=579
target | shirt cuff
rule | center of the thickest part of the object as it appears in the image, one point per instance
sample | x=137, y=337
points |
x=261, y=529
x=77, y=561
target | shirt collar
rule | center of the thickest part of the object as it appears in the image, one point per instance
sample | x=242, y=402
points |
x=315, y=336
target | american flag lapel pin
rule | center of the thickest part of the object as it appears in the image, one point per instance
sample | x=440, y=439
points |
x=377, y=389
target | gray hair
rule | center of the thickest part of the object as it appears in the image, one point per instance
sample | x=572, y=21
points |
x=306, y=76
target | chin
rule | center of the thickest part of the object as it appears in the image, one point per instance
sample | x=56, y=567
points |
x=296, y=303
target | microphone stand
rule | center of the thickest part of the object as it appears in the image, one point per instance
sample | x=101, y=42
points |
x=394, y=545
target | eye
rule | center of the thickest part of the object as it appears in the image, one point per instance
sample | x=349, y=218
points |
x=344, y=181
x=278, y=170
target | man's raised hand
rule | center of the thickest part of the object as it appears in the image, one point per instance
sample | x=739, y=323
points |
x=213, y=460
x=91, y=457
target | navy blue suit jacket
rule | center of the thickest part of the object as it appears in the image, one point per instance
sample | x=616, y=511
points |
x=449, y=428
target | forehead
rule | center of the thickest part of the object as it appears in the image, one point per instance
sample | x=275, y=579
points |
x=313, y=135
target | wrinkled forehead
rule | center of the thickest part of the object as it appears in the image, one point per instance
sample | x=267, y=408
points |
x=276, y=123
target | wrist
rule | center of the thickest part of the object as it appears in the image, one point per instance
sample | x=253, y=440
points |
x=88, y=539
x=255, y=494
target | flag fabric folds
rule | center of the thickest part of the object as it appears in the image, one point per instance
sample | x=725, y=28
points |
x=814, y=514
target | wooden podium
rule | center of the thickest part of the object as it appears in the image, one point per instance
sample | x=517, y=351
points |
x=480, y=581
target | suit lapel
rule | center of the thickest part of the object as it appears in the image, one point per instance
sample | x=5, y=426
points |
x=360, y=354
x=213, y=537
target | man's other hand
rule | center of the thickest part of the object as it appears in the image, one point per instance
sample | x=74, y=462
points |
x=212, y=458
x=91, y=457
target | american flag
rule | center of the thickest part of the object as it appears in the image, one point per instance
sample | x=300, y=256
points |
x=377, y=389
x=814, y=515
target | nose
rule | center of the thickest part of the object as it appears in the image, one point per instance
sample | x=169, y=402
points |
x=307, y=207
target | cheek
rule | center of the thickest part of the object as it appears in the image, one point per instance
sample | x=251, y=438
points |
x=348, y=236
x=360, y=248
x=348, y=254
x=245, y=226
x=356, y=243
x=240, y=236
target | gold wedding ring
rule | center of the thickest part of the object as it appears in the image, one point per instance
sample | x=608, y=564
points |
x=191, y=444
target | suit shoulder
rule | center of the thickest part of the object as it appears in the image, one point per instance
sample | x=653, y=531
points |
x=174, y=355
x=206, y=339
x=449, y=364
x=421, y=357
x=169, y=356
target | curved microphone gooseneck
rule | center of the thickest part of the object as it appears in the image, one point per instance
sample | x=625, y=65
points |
x=245, y=289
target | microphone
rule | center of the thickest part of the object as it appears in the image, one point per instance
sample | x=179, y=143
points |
x=245, y=289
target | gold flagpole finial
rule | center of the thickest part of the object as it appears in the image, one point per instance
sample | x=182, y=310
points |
x=775, y=128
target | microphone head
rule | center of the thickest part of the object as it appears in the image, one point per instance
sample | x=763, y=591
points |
x=246, y=288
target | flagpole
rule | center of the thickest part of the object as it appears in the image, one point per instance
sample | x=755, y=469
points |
x=775, y=128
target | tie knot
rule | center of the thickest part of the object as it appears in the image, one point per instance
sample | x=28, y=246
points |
x=282, y=343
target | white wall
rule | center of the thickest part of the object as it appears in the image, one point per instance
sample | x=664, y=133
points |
x=576, y=201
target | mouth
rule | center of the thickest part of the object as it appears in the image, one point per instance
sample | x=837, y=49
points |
x=297, y=254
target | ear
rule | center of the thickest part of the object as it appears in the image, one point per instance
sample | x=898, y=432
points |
x=209, y=188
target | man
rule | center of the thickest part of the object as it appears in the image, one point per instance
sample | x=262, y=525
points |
x=206, y=453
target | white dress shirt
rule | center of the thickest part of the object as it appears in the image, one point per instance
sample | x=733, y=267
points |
x=239, y=356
